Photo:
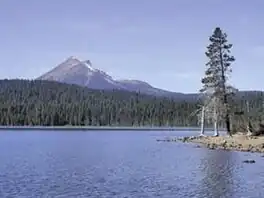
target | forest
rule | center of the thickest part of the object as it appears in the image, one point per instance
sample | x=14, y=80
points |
x=44, y=103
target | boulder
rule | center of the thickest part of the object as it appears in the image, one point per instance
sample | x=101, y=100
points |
x=249, y=161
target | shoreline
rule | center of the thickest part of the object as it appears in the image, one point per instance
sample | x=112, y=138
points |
x=99, y=128
x=238, y=142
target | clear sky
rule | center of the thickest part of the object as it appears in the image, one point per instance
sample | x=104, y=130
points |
x=158, y=41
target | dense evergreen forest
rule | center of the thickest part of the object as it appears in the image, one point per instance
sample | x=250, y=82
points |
x=24, y=103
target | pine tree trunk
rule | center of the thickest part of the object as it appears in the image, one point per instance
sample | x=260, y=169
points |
x=216, y=132
x=227, y=116
x=202, y=121
x=227, y=121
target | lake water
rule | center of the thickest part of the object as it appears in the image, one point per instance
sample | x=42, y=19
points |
x=122, y=164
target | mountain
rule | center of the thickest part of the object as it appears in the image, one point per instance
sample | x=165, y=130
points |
x=74, y=71
x=137, y=85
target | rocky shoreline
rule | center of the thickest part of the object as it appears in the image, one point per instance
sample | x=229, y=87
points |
x=238, y=142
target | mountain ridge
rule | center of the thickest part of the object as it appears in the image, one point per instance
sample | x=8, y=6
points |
x=82, y=73
x=75, y=71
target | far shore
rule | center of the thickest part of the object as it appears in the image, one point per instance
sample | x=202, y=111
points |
x=101, y=128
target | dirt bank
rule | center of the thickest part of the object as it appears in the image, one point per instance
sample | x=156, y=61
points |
x=236, y=142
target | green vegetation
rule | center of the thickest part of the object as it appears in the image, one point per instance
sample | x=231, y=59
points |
x=222, y=103
x=55, y=104
x=215, y=82
x=43, y=103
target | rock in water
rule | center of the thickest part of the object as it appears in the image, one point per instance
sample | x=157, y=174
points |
x=249, y=161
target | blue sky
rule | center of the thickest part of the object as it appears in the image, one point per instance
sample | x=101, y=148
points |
x=158, y=41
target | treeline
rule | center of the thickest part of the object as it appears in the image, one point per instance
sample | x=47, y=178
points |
x=43, y=103
x=55, y=104
x=251, y=105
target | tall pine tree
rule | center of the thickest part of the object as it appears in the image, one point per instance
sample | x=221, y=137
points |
x=218, y=68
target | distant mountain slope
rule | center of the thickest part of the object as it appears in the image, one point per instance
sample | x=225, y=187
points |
x=137, y=85
x=74, y=71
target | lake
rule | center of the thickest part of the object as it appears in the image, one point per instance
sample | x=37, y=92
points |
x=122, y=164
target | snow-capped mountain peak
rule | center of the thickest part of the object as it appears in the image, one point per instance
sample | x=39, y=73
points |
x=88, y=64
x=71, y=61
x=75, y=71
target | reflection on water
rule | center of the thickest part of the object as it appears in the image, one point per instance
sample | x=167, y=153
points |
x=121, y=164
x=217, y=169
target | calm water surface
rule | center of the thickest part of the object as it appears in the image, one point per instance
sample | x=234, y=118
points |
x=121, y=164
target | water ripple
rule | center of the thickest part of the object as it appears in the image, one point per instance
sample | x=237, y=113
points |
x=121, y=165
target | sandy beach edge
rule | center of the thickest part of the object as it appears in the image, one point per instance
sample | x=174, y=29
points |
x=238, y=142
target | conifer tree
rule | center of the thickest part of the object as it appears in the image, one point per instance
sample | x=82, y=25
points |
x=218, y=68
